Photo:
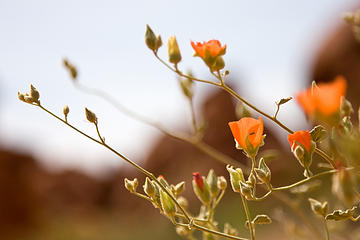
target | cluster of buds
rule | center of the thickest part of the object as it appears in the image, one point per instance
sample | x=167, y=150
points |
x=160, y=198
x=154, y=43
x=247, y=187
x=208, y=189
x=32, y=97
x=239, y=184
x=210, y=52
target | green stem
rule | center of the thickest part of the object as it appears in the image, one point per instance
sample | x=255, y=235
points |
x=193, y=117
x=202, y=146
x=232, y=92
x=326, y=230
x=144, y=171
x=204, y=229
x=207, y=149
x=247, y=213
x=147, y=173
x=298, y=183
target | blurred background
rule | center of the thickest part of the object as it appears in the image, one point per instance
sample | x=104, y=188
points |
x=55, y=184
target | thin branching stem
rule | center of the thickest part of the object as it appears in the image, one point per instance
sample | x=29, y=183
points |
x=144, y=171
x=199, y=144
x=233, y=93
x=204, y=229
x=147, y=173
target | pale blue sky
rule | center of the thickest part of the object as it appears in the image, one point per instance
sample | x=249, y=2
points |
x=270, y=46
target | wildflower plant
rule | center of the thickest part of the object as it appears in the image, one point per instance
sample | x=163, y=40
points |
x=335, y=139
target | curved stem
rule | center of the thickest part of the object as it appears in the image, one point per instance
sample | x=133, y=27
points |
x=202, y=146
x=297, y=183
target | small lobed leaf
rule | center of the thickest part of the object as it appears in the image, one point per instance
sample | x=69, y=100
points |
x=262, y=219
x=339, y=215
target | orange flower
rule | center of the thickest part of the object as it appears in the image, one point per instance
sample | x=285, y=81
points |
x=325, y=98
x=213, y=47
x=250, y=128
x=302, y=137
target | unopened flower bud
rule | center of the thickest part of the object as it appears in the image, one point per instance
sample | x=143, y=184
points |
x=222, y=184
x=168, y=205
x=212, y=181
x=246, y=190
x=201, y=188
x=66, y=110
x=179, y=188
x=162, y=180
x=151, y=40
x=149, y=188
x=183, y=202
x=90, y=116
x=173, y=50
x=131, y=185
x=34, y=94
x=198, y=180
x=235, y=177
x=251, y=180
x=158, y=41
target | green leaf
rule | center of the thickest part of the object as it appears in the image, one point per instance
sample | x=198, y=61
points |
x=283, y=101
x=338, y=215
x=318, y=133
x=262, y=219
x=259, y=219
